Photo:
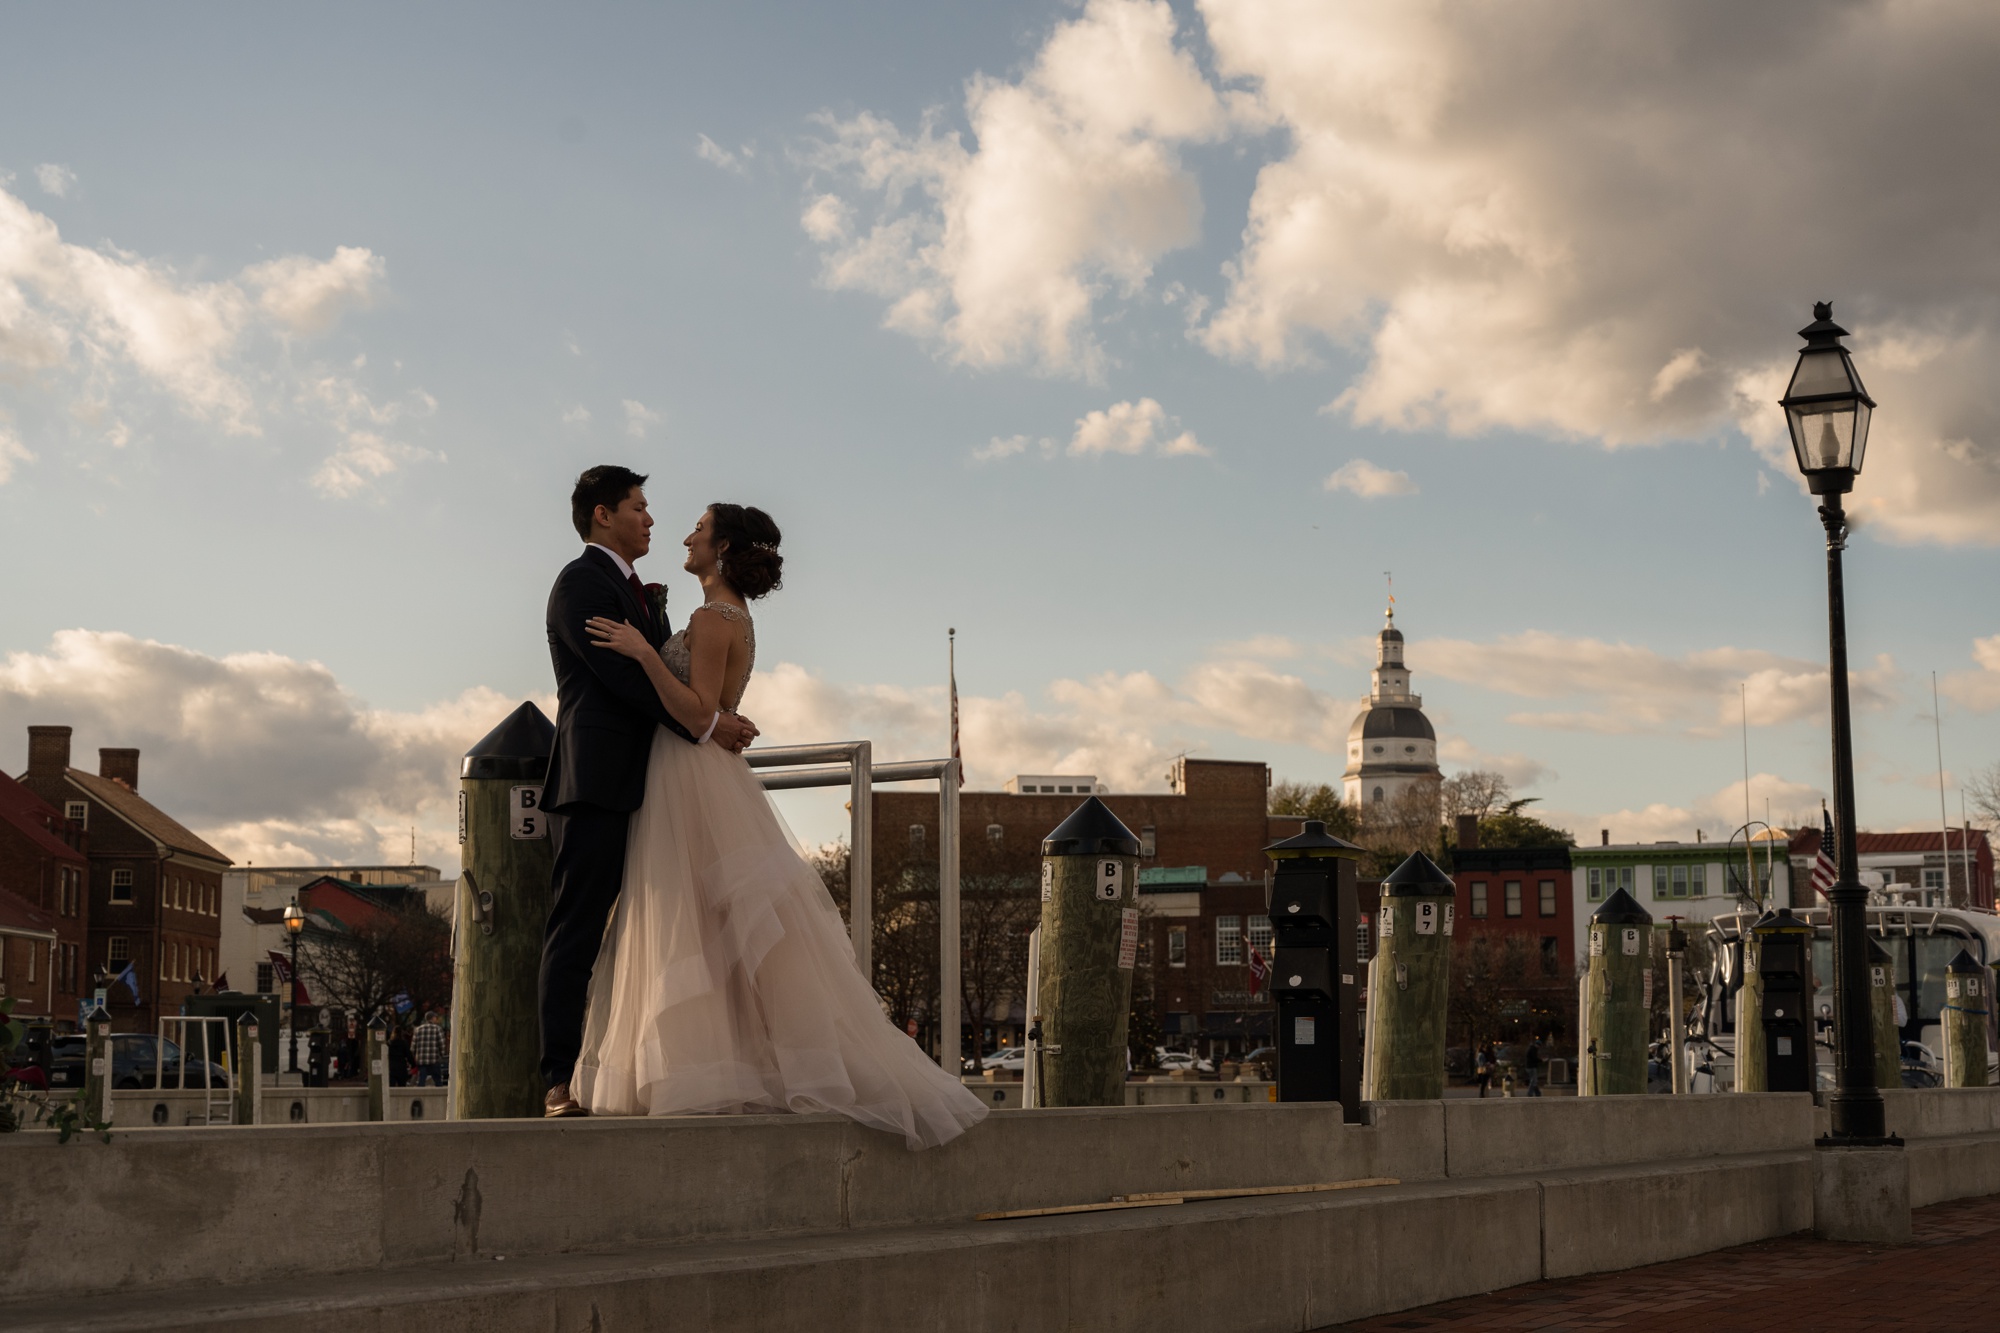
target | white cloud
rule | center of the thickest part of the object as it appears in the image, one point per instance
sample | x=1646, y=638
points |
x=12, y=454
x=708, y=150
x=366, y=453
x=1000, y=447
x=1978, y=690
x=1561, y=219
x=100, y=331
x=1072, y=189
x=1716, y=814
x=1368, y=481
x=638, y=417
x=578, y=415
x=309, y=295
x=1521, y=771
x=55, y=179
x=1132, y=428
x=269, y=758
x=1638, y=689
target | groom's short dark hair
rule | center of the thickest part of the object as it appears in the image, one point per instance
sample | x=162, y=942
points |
x=607, y=485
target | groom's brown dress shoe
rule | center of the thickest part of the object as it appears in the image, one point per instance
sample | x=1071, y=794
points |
x=559, y=1103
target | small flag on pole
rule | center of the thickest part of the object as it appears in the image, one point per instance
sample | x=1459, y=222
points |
x=1825, y=870
x=1259, y=971
x=951, y=640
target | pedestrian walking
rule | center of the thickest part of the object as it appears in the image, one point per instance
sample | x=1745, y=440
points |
x=427, y=1050
x=399, y=1056
x=1531, y=1061
x=1482, y=1068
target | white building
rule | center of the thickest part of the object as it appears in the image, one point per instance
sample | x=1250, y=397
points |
x=253, y=904
x=1696, y=881
x=1391, y=746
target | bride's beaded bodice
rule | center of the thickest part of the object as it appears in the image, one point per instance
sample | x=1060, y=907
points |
x=679, y=659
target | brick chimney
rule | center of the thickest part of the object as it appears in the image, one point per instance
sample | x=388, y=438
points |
x=1468, y=833
x=1604, y=834
x=48, y=751
x=121, y=766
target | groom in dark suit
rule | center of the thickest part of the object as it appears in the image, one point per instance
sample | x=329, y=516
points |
x=606, y=713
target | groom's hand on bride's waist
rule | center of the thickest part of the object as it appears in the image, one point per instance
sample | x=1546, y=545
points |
x=733, y=732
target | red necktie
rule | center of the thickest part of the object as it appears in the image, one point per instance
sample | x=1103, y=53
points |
x=639, y=591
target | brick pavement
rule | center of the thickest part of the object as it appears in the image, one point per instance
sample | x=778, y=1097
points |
x=1949, y=1278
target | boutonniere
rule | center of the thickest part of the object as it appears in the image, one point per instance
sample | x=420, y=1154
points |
x=656, y=602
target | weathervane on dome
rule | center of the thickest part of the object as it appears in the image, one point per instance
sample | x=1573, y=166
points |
x=1390, y=616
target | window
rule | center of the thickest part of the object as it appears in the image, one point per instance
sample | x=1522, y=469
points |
x=1548, y=895
x=916, y=835
x=1661, y=883
x=167, y=963
x=1933, y=879
x=995, y=834
x=33, y=950
x=1680, y=882
x=1596, y=884
x=121, y=886
x=1261, y=935
x=1513, y=899
x=78, y=812
x=1479, y=897
x=1228, y=941
x=1551, y=960
x=1363, y=949
x=1177, y=946
x=118, y=950
x=267, y=980
x=1378, y=794
x=1148, y=843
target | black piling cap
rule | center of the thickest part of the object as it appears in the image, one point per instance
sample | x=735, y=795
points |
x=1965, y=964
x=247, y=1020
x=1314, y=841
x=1621, y=909
x=1780, y=922
x=378, y=1024
x=1091, y=830
x=1419, y=876
x=517, y=748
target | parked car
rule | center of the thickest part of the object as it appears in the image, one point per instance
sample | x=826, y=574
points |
x=1008, y=1059
x=1173, y=1060
x=137, y=1059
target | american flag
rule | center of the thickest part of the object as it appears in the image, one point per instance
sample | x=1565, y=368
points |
x=1825, y=871
x=951, y=636
x=1259, y=970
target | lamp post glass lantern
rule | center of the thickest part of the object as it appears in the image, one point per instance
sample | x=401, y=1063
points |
x=1828, y=413
x=295, y=925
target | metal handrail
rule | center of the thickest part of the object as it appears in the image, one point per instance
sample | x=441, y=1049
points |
x=852, y=764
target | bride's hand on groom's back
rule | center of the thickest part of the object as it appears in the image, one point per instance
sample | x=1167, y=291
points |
x=618, y=636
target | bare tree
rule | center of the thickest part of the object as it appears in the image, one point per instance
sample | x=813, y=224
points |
x=904, y=930
x=1477, y=792
x=1982, y=793
x=998, y=906
x=404, y=952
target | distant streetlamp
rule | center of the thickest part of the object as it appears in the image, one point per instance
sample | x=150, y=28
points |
x=1828, y=413
x=295, y=926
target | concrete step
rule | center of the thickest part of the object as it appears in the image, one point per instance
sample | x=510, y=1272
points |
x=1292, y=1262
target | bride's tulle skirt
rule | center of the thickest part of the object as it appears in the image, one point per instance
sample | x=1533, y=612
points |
x=726, y=982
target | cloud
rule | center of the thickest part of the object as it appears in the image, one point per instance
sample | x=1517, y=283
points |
x=55, y=179
x=1000, y=447
x=638, y=417
x=1369, y=481
x=1521, y=771
x=367, y=452
x=1978, y=690
x=1132, y=428
x=737, y=163
x=267, y=757
x=1638, y=689
x=308, y=295
x=12, y=454
x=1564, y=220
x=102, y=332
x=1072, y=189
x=578, y=415
x=1716, y=814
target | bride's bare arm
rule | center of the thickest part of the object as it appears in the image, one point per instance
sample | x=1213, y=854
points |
x=685, y=704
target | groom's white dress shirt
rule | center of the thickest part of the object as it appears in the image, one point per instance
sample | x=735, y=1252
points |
x=625, y=568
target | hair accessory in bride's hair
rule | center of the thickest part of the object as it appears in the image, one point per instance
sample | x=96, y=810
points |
x=763, y=546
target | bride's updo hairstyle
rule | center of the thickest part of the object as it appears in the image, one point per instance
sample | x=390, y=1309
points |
x=752, y=564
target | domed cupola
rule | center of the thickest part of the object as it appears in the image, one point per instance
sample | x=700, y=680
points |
x=1391, y=746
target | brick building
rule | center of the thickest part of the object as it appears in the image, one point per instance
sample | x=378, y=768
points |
x=155, y=889
x=1201, y=881
x=44, y=868
x=1519, y=892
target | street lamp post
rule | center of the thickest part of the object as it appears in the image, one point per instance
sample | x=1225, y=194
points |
x=1828, y=411
x=295, y=926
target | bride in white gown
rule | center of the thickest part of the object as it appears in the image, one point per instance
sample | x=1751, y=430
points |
x=726, y=982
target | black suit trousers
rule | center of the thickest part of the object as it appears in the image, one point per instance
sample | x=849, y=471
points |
x=590, y=867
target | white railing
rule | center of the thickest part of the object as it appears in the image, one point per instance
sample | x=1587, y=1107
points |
x=205, y=1022
x=851, y=764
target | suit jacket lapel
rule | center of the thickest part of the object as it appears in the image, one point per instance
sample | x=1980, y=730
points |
x=636, y=611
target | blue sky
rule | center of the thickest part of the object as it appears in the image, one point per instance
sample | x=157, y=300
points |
x=1047, y=322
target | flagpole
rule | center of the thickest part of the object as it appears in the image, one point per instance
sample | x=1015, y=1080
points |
x=951, y=673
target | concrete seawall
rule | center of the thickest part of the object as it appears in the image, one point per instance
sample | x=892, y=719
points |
x=811, y=1222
